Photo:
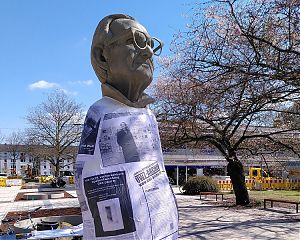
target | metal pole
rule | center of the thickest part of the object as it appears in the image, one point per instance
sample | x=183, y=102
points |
x=177, y=175
x=186, y=173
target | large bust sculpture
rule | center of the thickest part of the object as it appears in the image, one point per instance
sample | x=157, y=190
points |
x=121, y=181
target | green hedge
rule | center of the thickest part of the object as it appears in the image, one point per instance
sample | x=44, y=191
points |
x=194, y=185
x=14, y=177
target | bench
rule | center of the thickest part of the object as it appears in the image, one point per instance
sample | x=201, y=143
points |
x=211, y=193
x=281, y=201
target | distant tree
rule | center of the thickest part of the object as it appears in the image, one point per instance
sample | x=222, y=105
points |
x=1, y=137
x=234, y=69
x=15, y=149
x=36, y=163
x=55, y=125
x=290, y=118
x=37, y=154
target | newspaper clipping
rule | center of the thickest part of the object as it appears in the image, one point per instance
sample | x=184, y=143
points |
x=128, y=137
x=109, y=197
x=89, y=134
x=78, y=186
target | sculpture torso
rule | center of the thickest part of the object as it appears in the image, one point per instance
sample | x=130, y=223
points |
x=123, y=188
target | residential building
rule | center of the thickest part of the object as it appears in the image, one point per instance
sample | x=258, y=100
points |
x=16, y=160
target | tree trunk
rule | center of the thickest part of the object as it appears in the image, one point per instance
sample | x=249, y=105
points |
x=236, y=173
x=57, y=168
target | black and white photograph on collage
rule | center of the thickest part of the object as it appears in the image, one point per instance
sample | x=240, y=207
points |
x=89, y=134
x=125, y=139
x=110, y=204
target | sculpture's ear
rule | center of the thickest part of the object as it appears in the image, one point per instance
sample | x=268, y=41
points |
x=99, y=63
x=98, y=55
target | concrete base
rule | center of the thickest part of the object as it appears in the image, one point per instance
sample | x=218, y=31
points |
x=25, y=226
x=43, y=195
x=35, y=196
x=56, y=195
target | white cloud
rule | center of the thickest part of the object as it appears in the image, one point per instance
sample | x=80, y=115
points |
x=85, y=82
x=74, y=93
x=88, y=82
x=48, y=85
x=42, y=85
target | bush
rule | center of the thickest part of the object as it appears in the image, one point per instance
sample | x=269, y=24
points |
x=198, y=184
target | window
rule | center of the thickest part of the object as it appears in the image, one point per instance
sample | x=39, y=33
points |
x=45, y=167
x=22, y=157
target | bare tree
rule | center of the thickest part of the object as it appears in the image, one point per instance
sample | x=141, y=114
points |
x=233, y=71
x=55, y=125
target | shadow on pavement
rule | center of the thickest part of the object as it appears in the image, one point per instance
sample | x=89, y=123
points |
x=219, y=222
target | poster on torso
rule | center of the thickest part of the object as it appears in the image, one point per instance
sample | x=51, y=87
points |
x=122, y=186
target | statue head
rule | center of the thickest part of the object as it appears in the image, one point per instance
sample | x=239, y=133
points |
x=121, y=55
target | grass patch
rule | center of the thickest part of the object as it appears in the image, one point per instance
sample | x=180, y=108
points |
x=258, y=196
x=276, y=194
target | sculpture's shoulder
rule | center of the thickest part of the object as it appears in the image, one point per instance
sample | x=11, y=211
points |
x=150, y=113
x=103, y=106
x=148, y=110
x=107, y=105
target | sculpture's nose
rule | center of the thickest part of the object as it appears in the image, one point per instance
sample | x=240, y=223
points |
x=147, y=52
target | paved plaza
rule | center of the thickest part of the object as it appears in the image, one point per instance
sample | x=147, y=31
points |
x=199, y=219
x=202, y=220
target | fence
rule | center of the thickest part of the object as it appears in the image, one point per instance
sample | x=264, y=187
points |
x=6, y=182
x=270, y=184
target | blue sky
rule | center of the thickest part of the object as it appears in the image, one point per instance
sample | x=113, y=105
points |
x=45, y=44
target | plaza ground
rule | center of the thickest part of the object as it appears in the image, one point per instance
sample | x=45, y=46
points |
x=198, y=219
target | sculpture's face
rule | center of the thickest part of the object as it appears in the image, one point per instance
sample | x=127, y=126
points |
x=129, y=58
x=123, y=126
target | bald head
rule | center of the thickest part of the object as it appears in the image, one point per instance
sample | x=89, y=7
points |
x=102, y=35
x=121, y=55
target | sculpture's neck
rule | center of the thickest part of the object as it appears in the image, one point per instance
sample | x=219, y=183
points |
x=110, y=91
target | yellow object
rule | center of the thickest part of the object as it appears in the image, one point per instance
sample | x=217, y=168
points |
x=249, y=184
x=46, y=179
x=71, y=180
x=258, y=174
x=2, y=182
x=264, y=184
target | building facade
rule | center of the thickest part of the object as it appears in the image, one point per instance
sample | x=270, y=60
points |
x=15, y=160
x=180, y=164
